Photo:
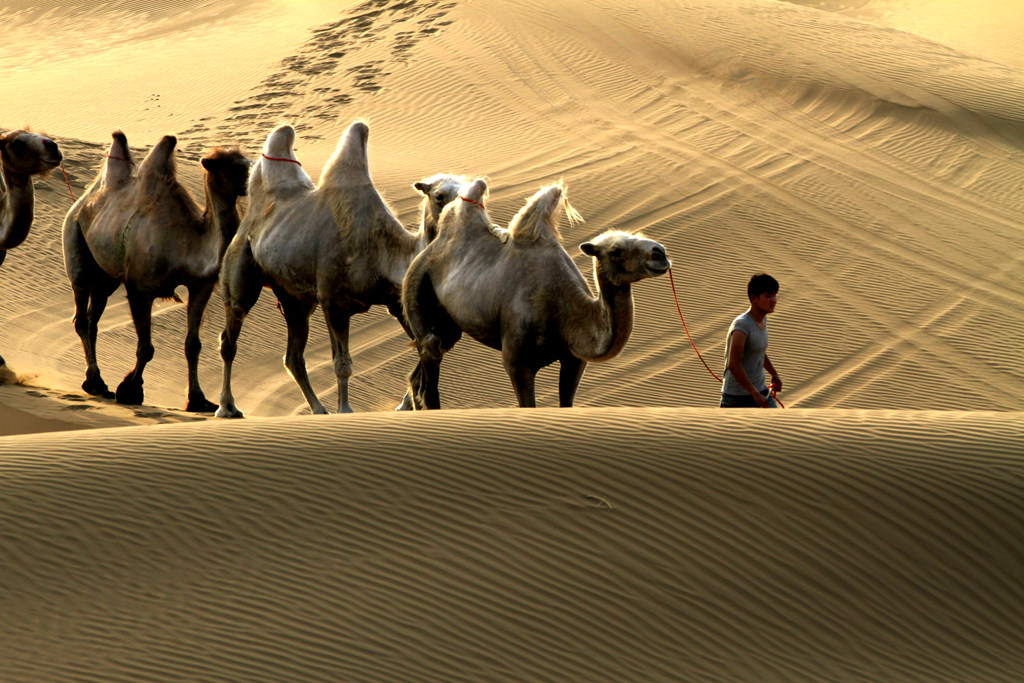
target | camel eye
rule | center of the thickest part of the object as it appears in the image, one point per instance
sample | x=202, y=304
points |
x=615, y=252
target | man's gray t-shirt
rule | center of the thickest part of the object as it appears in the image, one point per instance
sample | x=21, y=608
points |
x=753, y=355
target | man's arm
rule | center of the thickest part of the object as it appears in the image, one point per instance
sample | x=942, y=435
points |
x=739, y=340
x=776, y=380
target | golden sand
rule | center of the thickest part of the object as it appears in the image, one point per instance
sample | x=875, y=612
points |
x=867, y=154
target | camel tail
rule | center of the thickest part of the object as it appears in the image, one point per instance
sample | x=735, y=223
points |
x=539, y=218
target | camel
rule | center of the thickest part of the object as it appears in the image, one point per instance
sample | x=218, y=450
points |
x=522, y=295
x=146, y=231
x=335, y=244
x=23, y=154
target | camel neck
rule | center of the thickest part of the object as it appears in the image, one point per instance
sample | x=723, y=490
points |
x=604, y=323
x=222, y=214
x=618, y=300
x=16, y=209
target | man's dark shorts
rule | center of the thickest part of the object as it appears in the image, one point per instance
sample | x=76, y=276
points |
x=746, y=400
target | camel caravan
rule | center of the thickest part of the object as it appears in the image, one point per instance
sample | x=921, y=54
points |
x=335, y=244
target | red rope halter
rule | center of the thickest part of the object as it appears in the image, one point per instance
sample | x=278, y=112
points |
x=111, y=156
x=294, y=161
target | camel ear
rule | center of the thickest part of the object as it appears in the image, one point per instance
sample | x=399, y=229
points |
x=209, y=164
x=589, y=248
x=422, y=187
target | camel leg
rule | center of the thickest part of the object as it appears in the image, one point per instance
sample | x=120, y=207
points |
x=89, y=307
x=521, y=374
x=395, y=308
x=198, y=297
x=129, y=391
x=241, y=284
x=92, y=288
x=435, y=333
x=338, y=325
x=523, y=382
x=570, y=372
x=296, y=314
x=423, y=382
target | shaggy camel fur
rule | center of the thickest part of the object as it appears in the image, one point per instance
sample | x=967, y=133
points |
x=522, y=295
x=336, y=245
x=147, y=232
x=22, y=155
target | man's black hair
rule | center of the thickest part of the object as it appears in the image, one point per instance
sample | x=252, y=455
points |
x=761, y=283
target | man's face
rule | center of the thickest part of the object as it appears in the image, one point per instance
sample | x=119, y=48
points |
x=765, y=301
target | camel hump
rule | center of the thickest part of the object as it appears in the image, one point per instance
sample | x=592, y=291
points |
x=350, y=161
x=476, y=191
x=160, y=163
x=280, y=144
x=277, y=170
x=117, y=167
x=539, y=218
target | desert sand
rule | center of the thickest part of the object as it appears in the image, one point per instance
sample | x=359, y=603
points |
x=869, y=154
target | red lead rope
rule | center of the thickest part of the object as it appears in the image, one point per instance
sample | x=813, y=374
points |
x=680, y=310
x=67, y=181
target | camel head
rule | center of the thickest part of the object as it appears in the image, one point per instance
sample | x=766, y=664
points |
x=623, y=258
x=277, y=170
x=438, y=191
x=350, y=163
x=466, y=214
x=227, y=172
x=28, y=153
x=538, y=219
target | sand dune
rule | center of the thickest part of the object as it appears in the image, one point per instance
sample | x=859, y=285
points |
x=868, y=154
x=665, y=544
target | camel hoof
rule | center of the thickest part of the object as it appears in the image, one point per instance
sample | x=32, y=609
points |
x=406, y=404
x=200, y=405
x=97, y=387
x=229, y=412
x=129, y=393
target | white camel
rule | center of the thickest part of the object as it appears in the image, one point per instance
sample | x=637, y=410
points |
x=336, y=245
x=522, y=294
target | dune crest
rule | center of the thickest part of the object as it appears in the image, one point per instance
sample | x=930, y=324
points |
x=665, y=544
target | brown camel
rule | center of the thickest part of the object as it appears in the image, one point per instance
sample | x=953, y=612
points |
x=147, y=232
x=23, y=154
x=335, y=244
x=522, y=295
